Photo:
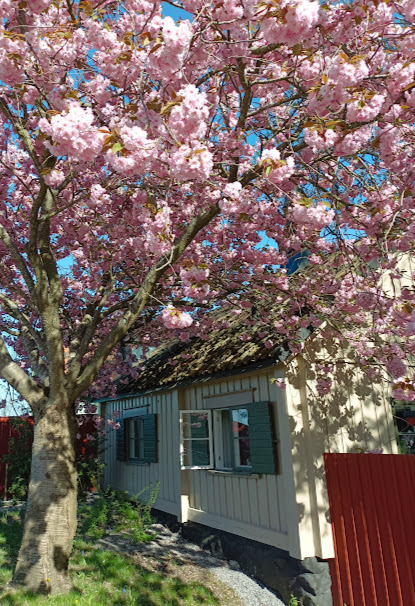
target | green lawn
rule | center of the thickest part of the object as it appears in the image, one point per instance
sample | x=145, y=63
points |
x=100, y=577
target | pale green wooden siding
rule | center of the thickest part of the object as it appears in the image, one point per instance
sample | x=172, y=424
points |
x=257, y=500
x=165, y=467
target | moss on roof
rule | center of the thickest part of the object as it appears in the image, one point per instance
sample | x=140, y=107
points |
x=178, y=362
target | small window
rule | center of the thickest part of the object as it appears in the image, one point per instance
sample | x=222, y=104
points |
x=404, y=415
x=135, y=438
x=196, y=439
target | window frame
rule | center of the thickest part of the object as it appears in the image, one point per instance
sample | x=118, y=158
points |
x=138, y=423
x=405, y=432
x=209, y=438
x=262, y=439
x=222, y=436
x=149, y=436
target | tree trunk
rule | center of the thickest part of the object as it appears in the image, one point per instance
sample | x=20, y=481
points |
x=50, y=523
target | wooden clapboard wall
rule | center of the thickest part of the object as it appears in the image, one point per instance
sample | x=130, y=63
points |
x=135, y=477
x=252, y=506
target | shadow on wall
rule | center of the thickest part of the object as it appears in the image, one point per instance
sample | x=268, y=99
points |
x=355, y=416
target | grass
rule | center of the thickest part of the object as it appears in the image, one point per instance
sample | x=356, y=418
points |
x=100, y=577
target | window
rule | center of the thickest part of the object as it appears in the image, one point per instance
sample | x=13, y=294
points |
x=404, y=416
x=137, y=437
x=232, y=443
x=238, y=438
x=196, y=443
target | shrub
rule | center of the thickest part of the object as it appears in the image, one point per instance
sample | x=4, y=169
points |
x=116, y=510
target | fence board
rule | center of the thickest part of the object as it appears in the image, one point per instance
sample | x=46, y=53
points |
x=372, y=499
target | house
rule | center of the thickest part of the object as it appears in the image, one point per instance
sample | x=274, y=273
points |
x=239, y=456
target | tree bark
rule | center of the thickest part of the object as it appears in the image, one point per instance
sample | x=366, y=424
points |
x=50, y=523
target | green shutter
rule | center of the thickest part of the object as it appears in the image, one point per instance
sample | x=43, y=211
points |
x=261, y=438
x=121, y=449
x=150, y=438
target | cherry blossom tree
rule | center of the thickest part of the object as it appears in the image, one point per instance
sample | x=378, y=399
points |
x=152, y=169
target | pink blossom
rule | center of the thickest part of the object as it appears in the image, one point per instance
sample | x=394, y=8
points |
x=298, y=17
x=396, y=367
x=315, y=217
x=191, y=163
x=323, y=386
x=319, y=140
x=168, y=58
x=188, y=119
x=73, y=134
x=281, y=170
x=173, y=318
x=410, y=328
x=365, y=110
x=353, y=141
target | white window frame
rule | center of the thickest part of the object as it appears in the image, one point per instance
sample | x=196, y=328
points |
x=183, y=413
x=218, y=438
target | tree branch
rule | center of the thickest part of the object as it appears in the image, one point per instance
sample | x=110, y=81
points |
x=137, y=305
x=19, y=261
x=18, y=379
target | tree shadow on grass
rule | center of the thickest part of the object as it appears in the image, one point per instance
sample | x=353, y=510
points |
x=11, y=531
x=106, y=577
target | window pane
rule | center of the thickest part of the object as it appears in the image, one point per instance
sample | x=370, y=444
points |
x=240, y=423
x=195, y=425
x=244, y=451
x=240, y=430
x=196, y=453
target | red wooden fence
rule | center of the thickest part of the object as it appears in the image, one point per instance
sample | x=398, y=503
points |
x=372, y=509
x=84, y=447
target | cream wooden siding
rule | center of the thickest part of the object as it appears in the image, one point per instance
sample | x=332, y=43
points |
x=355, y=416
x=134, y=477
x=252, y=506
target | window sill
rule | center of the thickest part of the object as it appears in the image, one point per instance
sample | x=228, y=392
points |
x=137, y=462
x=234, y=473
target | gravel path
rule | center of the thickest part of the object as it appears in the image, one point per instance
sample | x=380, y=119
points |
x=171, y=545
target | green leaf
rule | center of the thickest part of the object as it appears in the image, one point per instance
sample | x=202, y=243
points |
x=117, y=147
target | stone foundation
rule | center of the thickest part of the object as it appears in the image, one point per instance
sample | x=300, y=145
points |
x=308, y=580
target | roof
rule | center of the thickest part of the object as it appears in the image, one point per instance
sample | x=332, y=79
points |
x=236, y=343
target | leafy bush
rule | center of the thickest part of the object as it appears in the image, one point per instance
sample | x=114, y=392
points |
x=116, y=510
x=90, y=447
x=19, y=457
